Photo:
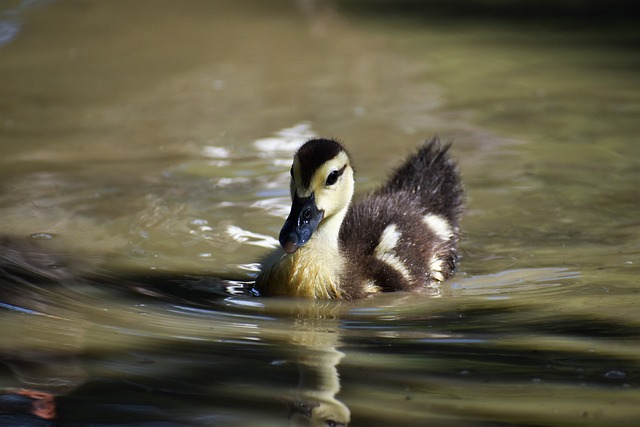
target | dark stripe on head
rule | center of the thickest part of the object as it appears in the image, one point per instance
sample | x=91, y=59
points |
x=313, y=154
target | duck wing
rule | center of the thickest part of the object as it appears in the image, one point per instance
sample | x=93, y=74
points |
x=432, y=179
x=403, y=236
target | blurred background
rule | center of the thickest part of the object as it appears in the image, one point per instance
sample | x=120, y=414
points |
x=145, y=155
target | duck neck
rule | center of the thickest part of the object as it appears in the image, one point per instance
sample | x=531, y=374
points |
x=328, y=233
x=315, y=268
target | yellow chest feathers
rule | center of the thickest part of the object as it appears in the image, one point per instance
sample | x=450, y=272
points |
x=309, y=272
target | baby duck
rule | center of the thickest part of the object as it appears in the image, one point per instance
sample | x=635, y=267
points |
x=402, y=236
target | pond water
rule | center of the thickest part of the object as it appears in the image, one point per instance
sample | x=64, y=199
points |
x=144, y=171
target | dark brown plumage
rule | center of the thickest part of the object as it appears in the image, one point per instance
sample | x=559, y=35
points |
x=313, y=154
x=402, y=236
x=426, y=183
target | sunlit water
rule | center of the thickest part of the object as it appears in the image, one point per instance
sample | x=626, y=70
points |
x=145, y=172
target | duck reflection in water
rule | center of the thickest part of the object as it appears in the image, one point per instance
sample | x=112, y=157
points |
x=43, y=343
x=316, y=404
x=402, y=237
x=317, y=339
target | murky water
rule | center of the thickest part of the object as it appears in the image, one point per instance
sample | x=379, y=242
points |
x=145, y=163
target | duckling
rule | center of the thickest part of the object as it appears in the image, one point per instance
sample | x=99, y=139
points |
x=402, y=236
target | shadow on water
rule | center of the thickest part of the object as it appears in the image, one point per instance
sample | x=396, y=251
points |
x=540, y=13
x=172, y=352
x=600, y=25
x=149, y=350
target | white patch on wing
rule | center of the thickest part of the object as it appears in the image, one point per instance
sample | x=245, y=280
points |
x=388, y=240
x=439, y=226
x=384, y=251
x=435, y=265
x=370, y=287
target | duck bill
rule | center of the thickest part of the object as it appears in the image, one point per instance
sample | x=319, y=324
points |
x=301, y=223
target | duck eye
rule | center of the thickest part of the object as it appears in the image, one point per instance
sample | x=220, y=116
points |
x=334, y=175
x=332, y=178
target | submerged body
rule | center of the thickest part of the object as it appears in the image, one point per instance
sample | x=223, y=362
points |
x=402, y=236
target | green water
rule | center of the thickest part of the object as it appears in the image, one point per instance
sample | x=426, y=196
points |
x=146, y=149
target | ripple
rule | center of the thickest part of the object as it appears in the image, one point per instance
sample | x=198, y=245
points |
x=285, y=140
x=250, y=238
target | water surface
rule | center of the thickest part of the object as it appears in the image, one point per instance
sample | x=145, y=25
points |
x=145, y=163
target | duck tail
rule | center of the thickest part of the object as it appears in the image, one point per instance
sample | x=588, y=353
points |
x=431, y=177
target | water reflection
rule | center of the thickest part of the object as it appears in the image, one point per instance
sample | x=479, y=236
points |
x=317, y=337
x=145, y=349
x=162, y=332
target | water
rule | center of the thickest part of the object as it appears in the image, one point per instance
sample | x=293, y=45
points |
x=145, y=163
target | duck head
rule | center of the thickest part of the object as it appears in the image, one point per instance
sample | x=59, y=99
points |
x=321, y=188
